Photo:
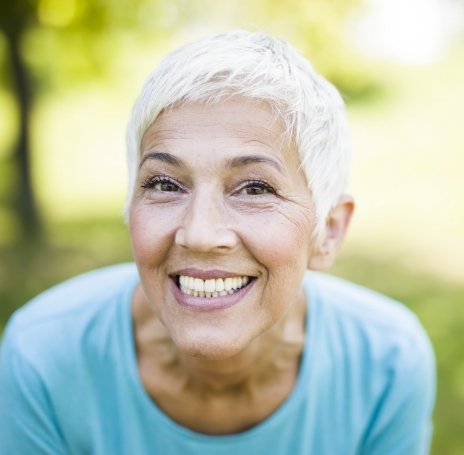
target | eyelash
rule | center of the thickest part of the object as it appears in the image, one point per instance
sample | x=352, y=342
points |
x=259, y=184
x=150, y=182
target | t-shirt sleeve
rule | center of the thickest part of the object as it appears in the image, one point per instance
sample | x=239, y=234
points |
x=402, y=421
x=27, y=424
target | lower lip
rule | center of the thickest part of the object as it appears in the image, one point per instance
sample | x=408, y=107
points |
x=209, y=304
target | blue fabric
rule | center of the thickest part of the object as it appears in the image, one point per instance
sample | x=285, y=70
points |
x=69, y=381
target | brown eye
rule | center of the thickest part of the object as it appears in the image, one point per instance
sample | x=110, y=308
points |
x=161, y=183
x=256, y=188
x=166, y=186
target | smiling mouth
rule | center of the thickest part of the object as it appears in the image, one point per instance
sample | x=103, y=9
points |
x=214, y=287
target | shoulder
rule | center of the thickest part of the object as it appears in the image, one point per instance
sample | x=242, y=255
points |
x=376, y=350
x=356, y=305
x=58, y=318
x=374, y=330
x=74, y=295
x=49, y=346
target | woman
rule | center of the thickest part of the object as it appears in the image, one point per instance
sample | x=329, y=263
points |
x=219, y=340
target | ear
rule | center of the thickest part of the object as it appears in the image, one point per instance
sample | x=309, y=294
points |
x=334, y=233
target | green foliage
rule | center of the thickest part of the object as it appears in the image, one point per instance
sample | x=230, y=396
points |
x=17, y=16
x=68, y=41
x=65, y=42
x=318, y=28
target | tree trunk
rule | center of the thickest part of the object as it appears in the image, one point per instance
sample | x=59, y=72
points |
x=24, y=202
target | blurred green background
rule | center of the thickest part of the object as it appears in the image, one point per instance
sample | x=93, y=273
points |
x=70, y=70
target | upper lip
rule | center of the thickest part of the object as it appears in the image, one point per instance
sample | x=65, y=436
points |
x=207, y=274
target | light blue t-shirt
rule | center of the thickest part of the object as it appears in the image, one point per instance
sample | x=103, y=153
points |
x=69, y=382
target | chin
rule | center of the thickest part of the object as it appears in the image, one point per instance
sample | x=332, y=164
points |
x=210, y=347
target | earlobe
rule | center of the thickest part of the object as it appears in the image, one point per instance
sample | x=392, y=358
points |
x=336, y=227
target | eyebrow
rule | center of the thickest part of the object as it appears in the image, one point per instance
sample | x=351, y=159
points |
x=238, y=161
x=161, y=156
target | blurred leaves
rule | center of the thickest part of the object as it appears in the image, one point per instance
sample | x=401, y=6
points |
x=66, y=41
x=17, y=16
x=54, y=44
x=56, y=13
x=318, y=28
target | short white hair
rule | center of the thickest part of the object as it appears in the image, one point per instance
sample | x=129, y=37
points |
x=257, y=66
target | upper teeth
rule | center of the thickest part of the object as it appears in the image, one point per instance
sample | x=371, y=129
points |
x=213, y=287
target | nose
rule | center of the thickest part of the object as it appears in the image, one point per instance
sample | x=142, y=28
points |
x=204, y=226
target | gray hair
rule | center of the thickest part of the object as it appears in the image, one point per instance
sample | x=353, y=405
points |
x=259, y=67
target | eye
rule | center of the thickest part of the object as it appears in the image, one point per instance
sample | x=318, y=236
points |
x=161, y=183
x=256, y=188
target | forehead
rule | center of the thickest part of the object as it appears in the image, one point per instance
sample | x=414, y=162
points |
x=237, y=121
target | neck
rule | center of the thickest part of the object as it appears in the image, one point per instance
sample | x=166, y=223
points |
x=273, y=354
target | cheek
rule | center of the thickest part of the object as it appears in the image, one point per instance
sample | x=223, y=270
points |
x=150, y=236
x=280, y=241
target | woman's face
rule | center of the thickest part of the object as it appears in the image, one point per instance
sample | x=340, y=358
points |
x=221, y=224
